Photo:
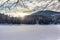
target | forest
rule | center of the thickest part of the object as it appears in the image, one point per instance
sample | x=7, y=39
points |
x=41, y=17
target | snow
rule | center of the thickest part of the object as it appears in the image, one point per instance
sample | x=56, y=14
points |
x=29, y=32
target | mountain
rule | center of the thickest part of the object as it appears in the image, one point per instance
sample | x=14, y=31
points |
x=47, y=17
x=40, y=17
x=46, y=12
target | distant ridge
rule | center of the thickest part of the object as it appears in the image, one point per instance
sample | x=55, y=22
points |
x=40, y=17
x=45, y=12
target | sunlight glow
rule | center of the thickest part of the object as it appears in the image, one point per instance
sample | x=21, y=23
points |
x=22, y=15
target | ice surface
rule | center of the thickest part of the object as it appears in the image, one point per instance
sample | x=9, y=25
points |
x=29, y=32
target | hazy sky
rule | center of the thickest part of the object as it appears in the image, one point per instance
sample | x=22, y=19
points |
x=11, y=7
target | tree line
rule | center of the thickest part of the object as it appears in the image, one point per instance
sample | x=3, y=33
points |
x=30, y=19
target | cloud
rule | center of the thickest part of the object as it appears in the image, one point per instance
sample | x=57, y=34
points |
x=10, y=6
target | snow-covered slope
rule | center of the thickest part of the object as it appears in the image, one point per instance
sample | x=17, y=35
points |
x=29, y=32
x=30, y=5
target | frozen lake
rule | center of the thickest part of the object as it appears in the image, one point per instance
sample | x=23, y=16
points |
x=29, y=32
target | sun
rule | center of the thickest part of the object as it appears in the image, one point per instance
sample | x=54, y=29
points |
x=21, y=14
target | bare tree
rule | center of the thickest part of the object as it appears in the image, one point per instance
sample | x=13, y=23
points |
x=18, y=2
x=21, y=3
x=4, y=3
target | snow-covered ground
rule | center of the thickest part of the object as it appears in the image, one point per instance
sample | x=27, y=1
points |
x=29, y=32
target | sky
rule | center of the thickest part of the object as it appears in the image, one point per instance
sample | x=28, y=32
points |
x=11, y=7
